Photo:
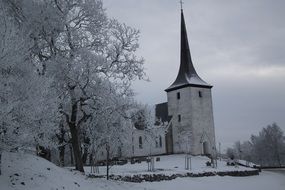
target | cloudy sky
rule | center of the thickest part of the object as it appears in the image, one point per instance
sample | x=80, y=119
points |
x=237, y=46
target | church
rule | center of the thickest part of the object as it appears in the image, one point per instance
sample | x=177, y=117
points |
x=184, y=124
x=188, y=108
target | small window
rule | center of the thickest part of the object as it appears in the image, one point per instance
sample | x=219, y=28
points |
x=178, y=95
x=140, y=142
x=160, y=141
x=200, y=94
x=179, y=118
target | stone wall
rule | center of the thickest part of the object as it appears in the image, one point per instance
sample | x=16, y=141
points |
x=163, y=177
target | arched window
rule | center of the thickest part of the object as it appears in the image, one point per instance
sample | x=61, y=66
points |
x=140, y=142
x=160, y=141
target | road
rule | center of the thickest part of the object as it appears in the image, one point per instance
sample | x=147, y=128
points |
x=279, y=170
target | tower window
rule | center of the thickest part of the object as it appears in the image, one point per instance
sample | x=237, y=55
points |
x=178, y=95
x=160, y=141
x=200, y=94
x=179, y=118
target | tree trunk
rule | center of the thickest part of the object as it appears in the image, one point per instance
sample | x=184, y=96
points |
x=85, y=149
x=0, y=161
x=76, y=148
x=84, y=156
x=61, y=142
x=278, y=158
x=91, y=159
x=107, y=160
x=74, y=131
x=61, y=155
x=71, y=154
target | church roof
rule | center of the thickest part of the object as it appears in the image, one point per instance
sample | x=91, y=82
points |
x=161, y=113
x=187, y=75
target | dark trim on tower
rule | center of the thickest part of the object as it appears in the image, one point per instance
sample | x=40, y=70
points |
x=187, y=85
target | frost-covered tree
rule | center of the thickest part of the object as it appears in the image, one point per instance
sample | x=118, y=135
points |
x=145, y=120
x=27, y=111
x=77, y=48
x=76, y=45
x=12, y=68
x=109, y=127
x=267, y=148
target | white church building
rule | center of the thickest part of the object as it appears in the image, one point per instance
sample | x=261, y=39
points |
x=185, y=122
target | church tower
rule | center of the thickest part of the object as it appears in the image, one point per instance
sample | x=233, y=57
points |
x=190, y=106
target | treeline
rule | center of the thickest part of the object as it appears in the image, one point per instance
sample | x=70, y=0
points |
x=266, y=149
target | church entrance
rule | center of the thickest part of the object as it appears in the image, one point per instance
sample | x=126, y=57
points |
x=205, y=147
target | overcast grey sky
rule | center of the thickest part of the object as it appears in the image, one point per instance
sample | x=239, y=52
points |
x=237, y=46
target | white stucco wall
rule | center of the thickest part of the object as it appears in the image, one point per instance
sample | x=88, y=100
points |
x=150, y=142
x=196, y=119
x=131, y=147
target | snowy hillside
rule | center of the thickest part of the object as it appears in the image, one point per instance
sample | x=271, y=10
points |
x=28, y=172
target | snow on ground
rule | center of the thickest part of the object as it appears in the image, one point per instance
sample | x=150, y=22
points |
x=169, y=164
x=28, y=172
x=246, y=163
x=265, y=181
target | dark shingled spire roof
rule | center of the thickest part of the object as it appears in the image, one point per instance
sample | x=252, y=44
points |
x=187, y=75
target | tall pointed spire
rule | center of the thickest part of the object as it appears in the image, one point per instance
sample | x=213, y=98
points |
x=187, y=75
x=181, y=4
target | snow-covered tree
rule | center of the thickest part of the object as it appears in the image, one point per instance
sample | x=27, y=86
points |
x=145, y=121
x=109, y=127
x=12, y=66
x=27, y=112
x=76, y=45
x=266, y=148
x=269, y=146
